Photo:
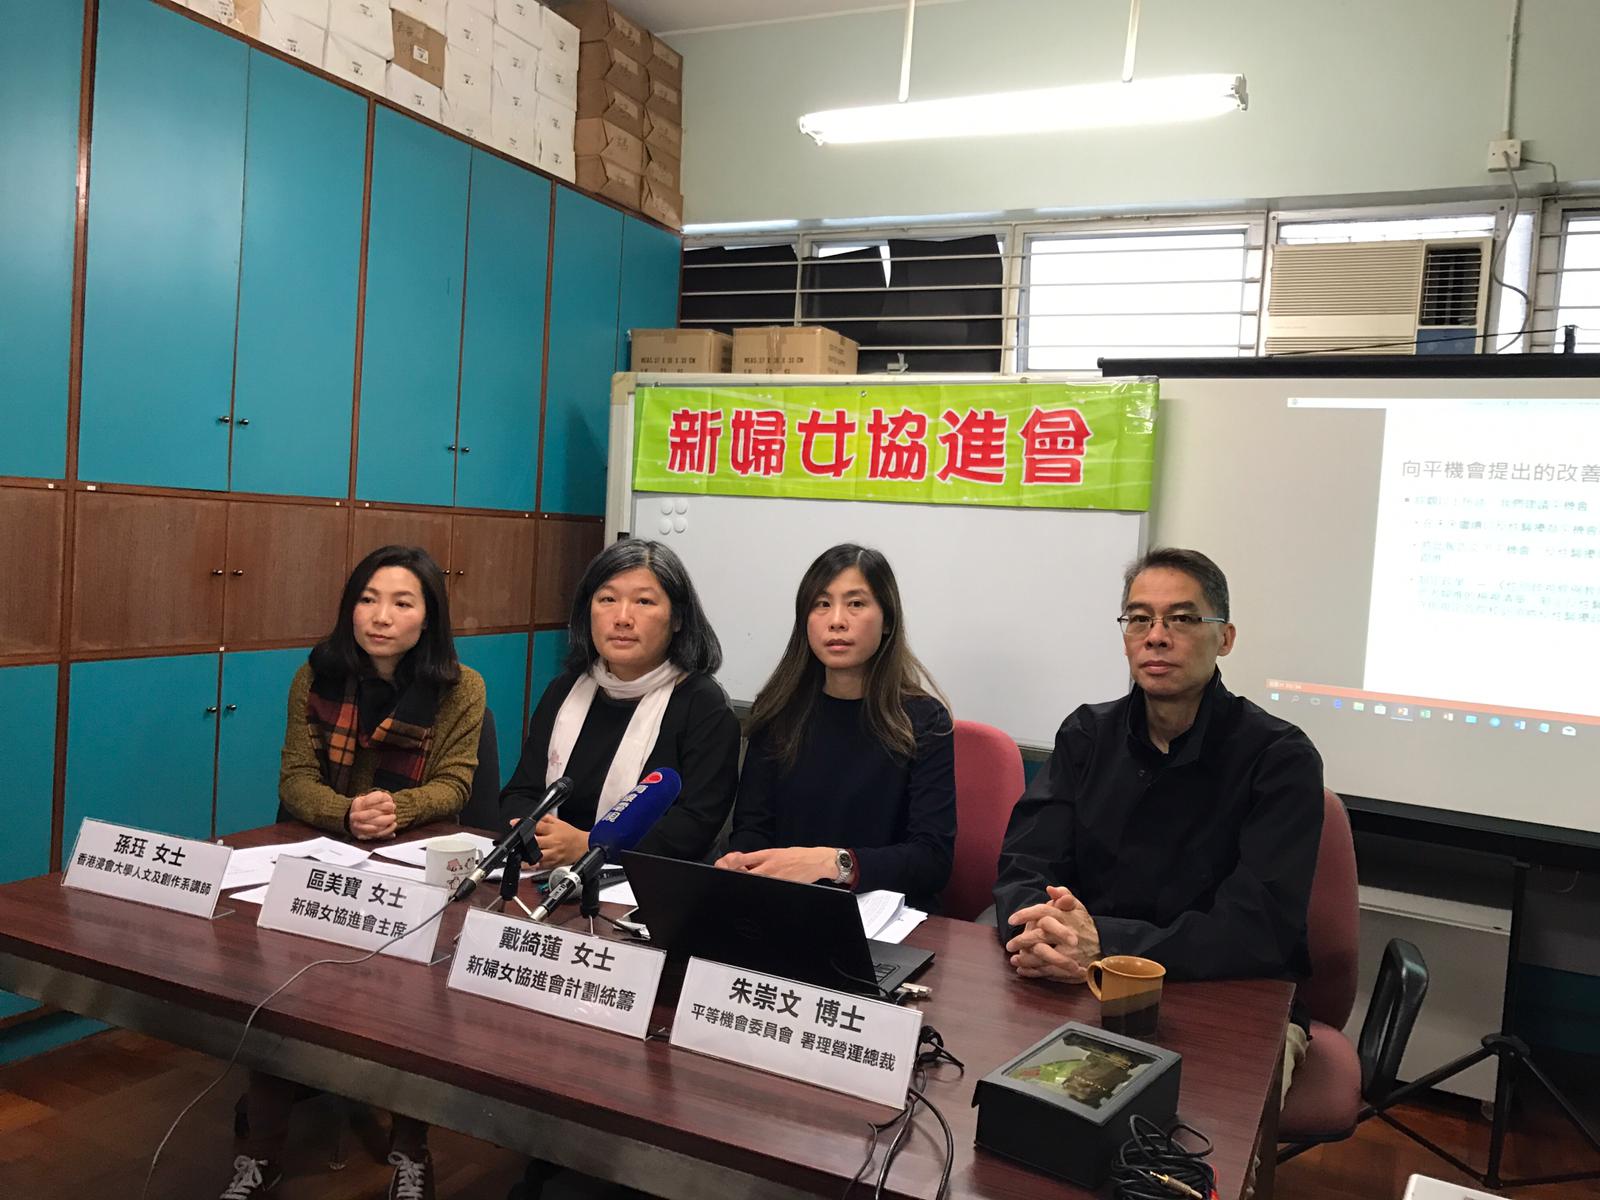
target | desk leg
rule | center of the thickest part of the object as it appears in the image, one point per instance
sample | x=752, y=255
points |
x=1267, y=1136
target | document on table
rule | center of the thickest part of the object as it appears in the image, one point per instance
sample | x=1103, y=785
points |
x=416, y=853
x=257, y=895
x=247, y=868
x=885, y=916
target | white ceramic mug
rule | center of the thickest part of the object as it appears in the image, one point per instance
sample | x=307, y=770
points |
x=450, y=860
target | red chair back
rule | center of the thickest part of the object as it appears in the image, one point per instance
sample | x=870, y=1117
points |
x=988, y=781
x=1333, y=920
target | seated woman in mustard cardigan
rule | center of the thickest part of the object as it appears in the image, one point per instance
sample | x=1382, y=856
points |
x=382, y=735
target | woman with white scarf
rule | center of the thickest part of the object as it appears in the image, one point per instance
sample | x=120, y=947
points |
x=636, y=694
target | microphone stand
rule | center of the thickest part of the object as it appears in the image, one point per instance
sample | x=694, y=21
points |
x=589, y=901
x=510, y=878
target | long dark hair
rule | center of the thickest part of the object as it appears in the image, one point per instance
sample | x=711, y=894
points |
x=894, y=675
x=431, y=661
x=694, y=645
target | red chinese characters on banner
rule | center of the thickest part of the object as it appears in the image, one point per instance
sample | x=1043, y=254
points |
x=1053, y=445
x=899, y=448
x=759, y=438
x=692, y=441
x=834, y=430
x=975, y=447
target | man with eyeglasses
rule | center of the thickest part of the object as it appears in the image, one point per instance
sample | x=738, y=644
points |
x=1179, y=823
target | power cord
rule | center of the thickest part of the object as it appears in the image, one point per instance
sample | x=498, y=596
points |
x=931, y=1053
x=245, y=1032
x=1153, y=1165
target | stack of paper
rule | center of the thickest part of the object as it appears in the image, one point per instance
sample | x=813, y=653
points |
x=246, y=868
x=885, y=917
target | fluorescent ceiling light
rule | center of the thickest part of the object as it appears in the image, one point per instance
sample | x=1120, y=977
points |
x=1046, y=110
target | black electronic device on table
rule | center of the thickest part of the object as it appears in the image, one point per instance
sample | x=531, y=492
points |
x=803, y=931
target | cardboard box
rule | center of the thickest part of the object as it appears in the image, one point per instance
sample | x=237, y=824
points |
x=241, y=15
x=665, y=62
x=560, y=38
x=557, y=160
x=600, y=63
x=293, y=34
x=514, y=59
x=663, y=135
x=611, y=180
x=466, y=81
x=468, y=29
x=558, y=126
x=367, y=24
x=662, y=204
x=486, y=7
x=418, y=49
x=604, y=101
x=315, y=11
x=665, y=101
x=557, y=81
x=516, y=137
x=408, y=91
x=597, y=21
x=792, y=350
x=430, y=12
x=524, y=18
x=663, y=170
x=514, y=107
x=680, y=351
x=469, y=122
x=354, y=64
x=601, y=139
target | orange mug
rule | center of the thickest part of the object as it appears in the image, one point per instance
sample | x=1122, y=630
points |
x=1129, y=991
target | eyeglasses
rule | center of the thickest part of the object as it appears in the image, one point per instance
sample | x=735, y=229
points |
x=1137, y=625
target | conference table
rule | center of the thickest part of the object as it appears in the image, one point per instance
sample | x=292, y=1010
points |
x=641, y=1113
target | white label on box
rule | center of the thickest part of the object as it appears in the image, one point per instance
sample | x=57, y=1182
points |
x=357, y=908
x=419, y=95
x=468, y=29
x=514, y=57
x=364, y=23
x=560, y=37
x=831, y=1039
x=354, y=64
x=293, y=34
x=524, y=18
x=466, y=80
x=176, y=873
x=430, y=12
x=567, y=974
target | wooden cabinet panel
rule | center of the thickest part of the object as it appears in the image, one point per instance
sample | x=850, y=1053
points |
x=565, y=548
x=491, y=572
x=147, y=571
x=386, y=527
x=285, y=571
x=31, y=521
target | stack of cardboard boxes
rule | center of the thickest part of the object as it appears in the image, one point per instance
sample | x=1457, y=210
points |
x=504, y=72
x=630, y=112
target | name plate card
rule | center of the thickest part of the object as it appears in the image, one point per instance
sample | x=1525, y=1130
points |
x=610, y=985
x=364, y=909
x=833, y=1040
x=133, y=864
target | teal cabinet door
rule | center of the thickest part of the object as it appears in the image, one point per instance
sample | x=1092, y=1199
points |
x=502, y=660
x=411, y=344
x=136, y=761
x=585, y=272
x=295, y=374
x=28, y=715
x=165, y=193
x=255, y=689
x=648, y=298
x=39, y=147
x=502, y=335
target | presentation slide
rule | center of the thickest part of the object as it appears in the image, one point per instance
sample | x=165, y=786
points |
x=1415, y=568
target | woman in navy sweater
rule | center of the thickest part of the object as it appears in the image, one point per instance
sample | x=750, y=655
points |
x=849, y=777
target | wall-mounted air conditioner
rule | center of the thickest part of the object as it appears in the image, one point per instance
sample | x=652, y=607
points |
x=1422, y=297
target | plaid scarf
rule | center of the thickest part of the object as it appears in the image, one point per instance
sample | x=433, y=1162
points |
x=402, y=738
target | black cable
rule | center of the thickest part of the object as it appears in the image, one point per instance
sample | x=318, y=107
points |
x=1153, y=1165
x=930, y=1053
x=245, y=1032
x=1465, y=337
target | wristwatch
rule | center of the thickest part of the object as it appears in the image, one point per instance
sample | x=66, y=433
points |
x=846, y=864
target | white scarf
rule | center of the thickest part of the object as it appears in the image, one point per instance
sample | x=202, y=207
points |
x=652, y=691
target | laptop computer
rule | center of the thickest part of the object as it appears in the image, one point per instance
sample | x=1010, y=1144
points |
x=804, y=931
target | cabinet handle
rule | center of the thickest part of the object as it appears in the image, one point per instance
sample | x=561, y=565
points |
x=216, y=571
x=244, y=420
x=466, y=449
x=451, y=447
x=238, y=571
x=463, y=571
x=231, y=708
x=211, y=710
x=224, y=420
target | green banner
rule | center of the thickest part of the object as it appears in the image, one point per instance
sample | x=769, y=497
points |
x=1021, y=445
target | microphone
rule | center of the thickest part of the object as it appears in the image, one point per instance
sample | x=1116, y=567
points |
x=518, y=839
x=633, y=815
x=567, y=881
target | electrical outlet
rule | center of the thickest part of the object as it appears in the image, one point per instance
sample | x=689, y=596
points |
x=1505, y=154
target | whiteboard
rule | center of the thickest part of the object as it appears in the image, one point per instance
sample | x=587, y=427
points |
x=1011, y=610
